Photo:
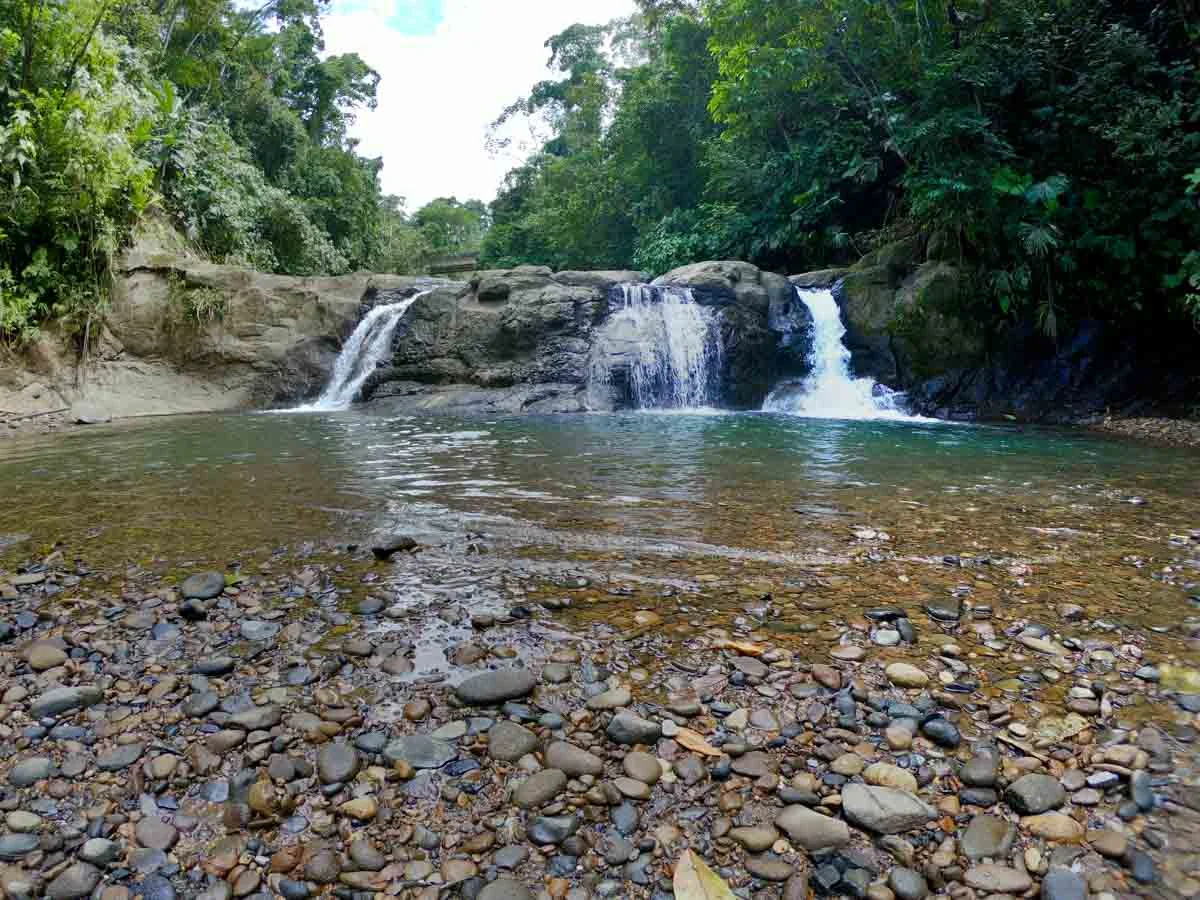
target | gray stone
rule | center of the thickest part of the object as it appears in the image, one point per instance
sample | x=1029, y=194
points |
x=505, y=889
x=260, y=718
x=812, y=830
x=255, y=630
x=337, y=763
x=152, y=832
x=997, y=879
x=540, y=788
x=419, y=751
x=508, y=741
x=99, y=852
x=62, y=700
x=626, y=728
x=74, y=882
x=202, y=586
x=987, y=836
x=121, y=758
x=884, y=810
x=492, y=688
x=575, y=761
x=1061, y=883
x=907, y=884
x=15, y=846
x=29, y=771
x=553, y=829
x=1034, y=794
x=981, y=769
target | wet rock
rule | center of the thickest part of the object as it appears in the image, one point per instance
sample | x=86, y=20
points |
x=30, y=771
x=884, y=810
x=508, y=741
x=997, y=879
x=337, y=763
x=1061, y=883
x=400, y=544
x=419, y=751
x=611, y=699
x=78, y=880
x=540, y=788
x=255, y=630
x=202, y=586
x=99, y=852
x=941, y=732
x=944, y=609
x=906, y=675
x=62, y=700
x=907, y=884
x=157, y=835
x=505, y=889
x=14, y=847
x=812, y=830
x=121, y=758
x=495, y=687
x=573, y=760
x=769, y=867
x=1035, y=793
x=982, y=769
x=626, y=728
x=553, y=829
x=987, y=836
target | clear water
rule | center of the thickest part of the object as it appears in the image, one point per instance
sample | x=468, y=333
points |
x=668, y=343
x=831, y=391
x=368, y=346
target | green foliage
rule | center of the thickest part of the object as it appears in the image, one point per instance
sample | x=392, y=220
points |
x=198, y=306
x=1047, y=147
x=230, y=118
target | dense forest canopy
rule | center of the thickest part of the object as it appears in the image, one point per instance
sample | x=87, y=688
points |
x=228, y=118
x=1051, y=147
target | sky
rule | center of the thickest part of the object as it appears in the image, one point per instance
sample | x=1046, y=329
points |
x=448, y=69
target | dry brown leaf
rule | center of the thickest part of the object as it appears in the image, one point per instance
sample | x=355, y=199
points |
x=696, y=881
x=743, y=647
x=695, y=742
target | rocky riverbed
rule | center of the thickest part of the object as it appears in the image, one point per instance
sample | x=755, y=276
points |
x=321, y=721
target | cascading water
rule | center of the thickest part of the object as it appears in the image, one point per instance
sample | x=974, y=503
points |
x=831, y=391
x=367, y=347
x=666, y=342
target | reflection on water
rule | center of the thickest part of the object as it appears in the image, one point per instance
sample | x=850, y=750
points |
x=213, y=485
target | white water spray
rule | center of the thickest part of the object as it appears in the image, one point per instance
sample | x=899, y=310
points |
x=367, y=347
x=669, y=344
x=830, y=391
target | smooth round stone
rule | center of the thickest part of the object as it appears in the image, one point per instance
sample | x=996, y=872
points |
x=74, y=882
x=255, y=630
x=1061, y=883
x=1035, y=793
x=493, y=688
x=769, y=867
x=505, y=889
x=883, y=774
x=508, y=741
x=21, y=821
x=941, y=732
x=997, y=879
x=906, y=675
x=632, y=788
x=573, y=760
x=16, y=846
x=811, y=830
x=540, y=788
x=553, y=829
x=987, y=836
x=43, y=655
x=907, y=884
x=99, y=852
x=419, y=751
x=1054, y=827
x=981, y=770
x=886, y=637
x=642, y=766
x=626, y=728
x=337, y=763
x=849, y=653
x=756, y=839
x=30, y=771
x=157, y=835
x=1109, y=843
x=202, y=586
x=884, y=810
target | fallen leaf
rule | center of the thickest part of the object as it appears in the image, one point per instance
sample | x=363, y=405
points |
x=696, y=881
x=694, y=742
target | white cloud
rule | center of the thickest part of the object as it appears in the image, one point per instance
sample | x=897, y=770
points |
x=440, y=91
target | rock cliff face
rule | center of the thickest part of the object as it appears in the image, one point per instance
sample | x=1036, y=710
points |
x=529, y=339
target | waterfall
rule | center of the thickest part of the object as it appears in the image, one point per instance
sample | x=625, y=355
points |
x=368, y=346
x=666, y=342
x=831, y=391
